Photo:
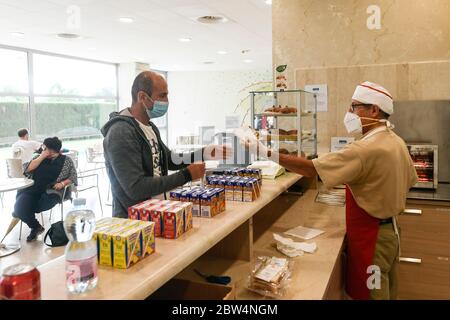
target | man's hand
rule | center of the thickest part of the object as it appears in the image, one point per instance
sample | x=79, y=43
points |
x=216, y=152
x=197, y=170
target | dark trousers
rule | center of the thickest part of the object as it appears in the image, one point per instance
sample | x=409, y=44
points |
x=28, y=204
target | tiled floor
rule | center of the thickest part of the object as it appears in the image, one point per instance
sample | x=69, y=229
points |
x=37, y=252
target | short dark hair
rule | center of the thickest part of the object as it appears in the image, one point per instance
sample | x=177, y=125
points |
x=143, y=82
x=53, y=143
x=22, y=132
x=384, y=114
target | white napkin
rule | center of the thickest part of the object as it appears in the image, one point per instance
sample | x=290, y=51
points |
x=304, y=233
x=291, y=248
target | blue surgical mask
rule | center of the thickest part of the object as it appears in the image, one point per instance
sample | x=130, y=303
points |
x=159, y=109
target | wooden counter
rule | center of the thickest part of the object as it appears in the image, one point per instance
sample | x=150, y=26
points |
x=171, y=257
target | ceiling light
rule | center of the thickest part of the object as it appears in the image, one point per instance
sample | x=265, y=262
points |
x=68, y=35
x=208, y=62
x=222, y=52
x=212, y=19
x=248, y=60
x=269, y=2
x=18, y=34
x=92, y=49
x=185, y=39
x=126, y=20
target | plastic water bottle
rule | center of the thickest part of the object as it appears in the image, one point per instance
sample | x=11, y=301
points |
x=81, y=251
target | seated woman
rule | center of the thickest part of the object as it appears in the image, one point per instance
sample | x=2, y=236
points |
x=51, y=172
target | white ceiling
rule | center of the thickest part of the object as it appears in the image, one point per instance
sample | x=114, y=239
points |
x=154, y=35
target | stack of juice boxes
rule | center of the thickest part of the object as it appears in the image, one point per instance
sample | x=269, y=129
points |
x=206, y=202
x=237, y=188
x=123, y=242
x=171, y=218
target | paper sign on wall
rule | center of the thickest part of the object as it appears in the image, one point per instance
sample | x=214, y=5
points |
x=322, y=95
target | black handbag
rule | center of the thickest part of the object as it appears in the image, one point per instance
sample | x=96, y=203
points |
x=57, y=235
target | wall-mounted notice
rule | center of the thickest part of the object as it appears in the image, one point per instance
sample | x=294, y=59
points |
x=322, y=95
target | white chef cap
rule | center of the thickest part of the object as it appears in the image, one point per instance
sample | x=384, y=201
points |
x=372, y=93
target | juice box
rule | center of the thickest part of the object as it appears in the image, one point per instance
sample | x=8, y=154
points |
x=195, y=199
x=207, y=207
x=173, y=222
x=157, y=216
x=105, y=237
x=222, y=202
x=187, y=215
x=249, y=192
x=237, y=190
x=134, y=212
x=229, y=190
x=175, y=194
x=147, y=237
x=127, y=247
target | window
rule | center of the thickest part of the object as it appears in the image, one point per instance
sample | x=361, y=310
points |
x=69, y=98
x=14, y=72
x=64, y=76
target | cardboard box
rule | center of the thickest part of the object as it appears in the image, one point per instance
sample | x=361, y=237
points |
x=207, y=205
x=173, y=222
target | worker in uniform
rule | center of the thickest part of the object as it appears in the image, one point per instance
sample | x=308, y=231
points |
x=378, y=172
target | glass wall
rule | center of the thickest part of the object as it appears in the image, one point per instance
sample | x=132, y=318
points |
x=66, y=97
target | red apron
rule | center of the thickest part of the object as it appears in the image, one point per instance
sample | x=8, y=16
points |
x=362, y=233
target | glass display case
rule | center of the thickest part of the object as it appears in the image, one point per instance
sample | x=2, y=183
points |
x=286, y=121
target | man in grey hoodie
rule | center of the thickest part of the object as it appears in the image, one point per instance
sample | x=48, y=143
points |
x=137, y=161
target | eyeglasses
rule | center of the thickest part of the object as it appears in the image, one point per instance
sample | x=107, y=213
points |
x=356, y=105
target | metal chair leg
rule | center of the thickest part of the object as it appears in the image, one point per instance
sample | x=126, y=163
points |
x=20, y=232
x=42, y=219
x=100, y=200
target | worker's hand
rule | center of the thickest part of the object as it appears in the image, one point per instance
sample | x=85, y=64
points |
x=58, y=186
x=216, y=152
x=197, y=170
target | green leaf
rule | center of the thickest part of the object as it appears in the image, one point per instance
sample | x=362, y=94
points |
x=281, y=68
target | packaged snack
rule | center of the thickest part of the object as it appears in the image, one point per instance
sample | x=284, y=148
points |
x=173, y=223
x=221, y=200
x=270, y=276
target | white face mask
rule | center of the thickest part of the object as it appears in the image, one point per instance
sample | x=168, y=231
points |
x=353, y=123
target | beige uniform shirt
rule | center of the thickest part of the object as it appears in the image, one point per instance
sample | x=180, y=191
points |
x=378, y=170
